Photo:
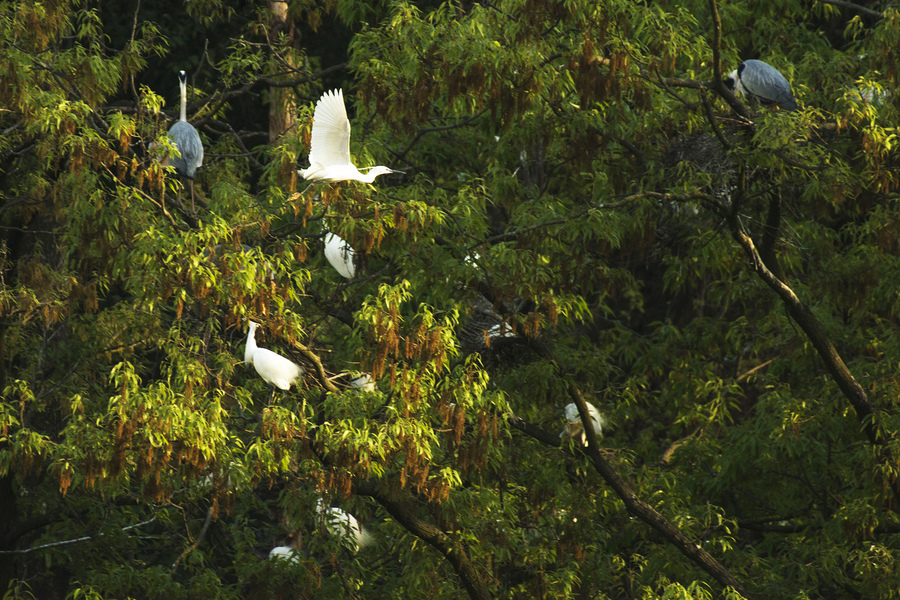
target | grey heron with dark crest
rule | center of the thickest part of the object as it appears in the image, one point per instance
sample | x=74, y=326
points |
x=762, y=83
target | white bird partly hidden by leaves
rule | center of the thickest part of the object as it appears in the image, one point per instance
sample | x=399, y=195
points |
x=275, y=369
x=286, y=554
x=340, y=255
x=363, y=382
x=343, y=526
x=329, y=153
x=185, y=137
x=574, y=426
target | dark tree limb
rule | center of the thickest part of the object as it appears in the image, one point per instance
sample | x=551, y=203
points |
x=645, y=512
x=771, y=233
x=472, y=579
x=804, y=317
x=855, y=7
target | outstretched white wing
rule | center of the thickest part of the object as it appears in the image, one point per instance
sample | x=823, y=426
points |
x=331, y=131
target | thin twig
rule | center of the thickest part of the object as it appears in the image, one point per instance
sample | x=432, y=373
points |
x=197, y=542
x=76, y=540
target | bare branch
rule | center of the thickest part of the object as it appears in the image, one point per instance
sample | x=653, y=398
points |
x=804, y=317
x=317, y=363
x=73, y=541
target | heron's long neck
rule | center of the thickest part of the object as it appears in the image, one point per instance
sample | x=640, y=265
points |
x=250, y=348
x=183, y=86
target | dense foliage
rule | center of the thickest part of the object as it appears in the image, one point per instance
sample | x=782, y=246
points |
x=585, y=213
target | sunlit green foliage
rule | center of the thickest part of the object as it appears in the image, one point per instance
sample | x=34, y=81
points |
x=568, y=167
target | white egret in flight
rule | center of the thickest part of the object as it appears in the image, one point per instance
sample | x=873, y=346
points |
x=329, y=154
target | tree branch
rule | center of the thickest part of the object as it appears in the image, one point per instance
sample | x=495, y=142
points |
x=804, y=317
x=645, y=512
x=197, y=542
x=454, y=552
x=317, y=363
x=718, y=80
x=854, y=7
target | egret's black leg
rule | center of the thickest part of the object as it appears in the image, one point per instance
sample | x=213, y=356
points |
x=271, y=395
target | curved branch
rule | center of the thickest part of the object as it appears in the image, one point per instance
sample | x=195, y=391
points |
x=804, y=317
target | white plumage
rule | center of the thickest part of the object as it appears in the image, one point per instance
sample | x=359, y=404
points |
x=363, y=382
x=286, y=554
x=329, y=153
x=275, y=369
x=340, y=255
x=574, y=426
x=344, y=526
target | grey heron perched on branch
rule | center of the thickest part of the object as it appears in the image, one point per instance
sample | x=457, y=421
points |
x=185, y=137
x=763, y=83
x=329, y=153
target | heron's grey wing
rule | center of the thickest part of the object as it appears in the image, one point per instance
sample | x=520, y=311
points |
x=765, y=81
x=331, y=131
x=187, y=140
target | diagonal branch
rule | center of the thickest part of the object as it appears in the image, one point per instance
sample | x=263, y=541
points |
x=453, y=551
x=804, y=317
x=645, y=512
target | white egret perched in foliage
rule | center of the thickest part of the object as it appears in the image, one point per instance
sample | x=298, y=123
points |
x=185, y=137
x=763, y=83
x=574, y=427
x=275, y=369
x=286, y=554
x=363, y=382
x=344, y=526
x=329, y=153
x=340, y=255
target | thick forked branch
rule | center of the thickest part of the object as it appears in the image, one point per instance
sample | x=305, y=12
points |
x=317, y=364
x=645, y=512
